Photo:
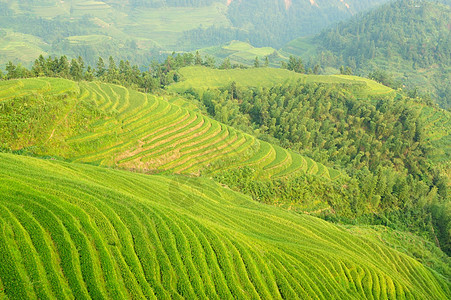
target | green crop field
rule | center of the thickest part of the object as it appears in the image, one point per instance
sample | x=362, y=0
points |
x=243, y=53
x=29, y=47
x=202, y=78
x=303, y=47
x=131, y=130
x=439, y=133
x=109, y=21
x=374, y=88
x=165, y=25
x=78, y=231
x=88, y=39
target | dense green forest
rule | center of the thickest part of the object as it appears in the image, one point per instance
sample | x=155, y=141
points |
x=401, y=43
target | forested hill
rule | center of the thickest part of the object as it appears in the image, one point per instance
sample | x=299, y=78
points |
x=406, y=42
x=142, y=30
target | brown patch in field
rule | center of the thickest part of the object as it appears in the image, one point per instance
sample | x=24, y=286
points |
x=129, y=153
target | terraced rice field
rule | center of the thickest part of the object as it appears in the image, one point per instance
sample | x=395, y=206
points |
x=71, y=230
x=50, y=86
x=148, y=133
x=201, y=78
x=242, y=53
x=373, y=88
x=27, y=45
x=98, y=8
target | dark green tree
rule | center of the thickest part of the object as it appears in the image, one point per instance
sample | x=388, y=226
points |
x=37, y=69
x=100, y=67
x=210, y=61
x=226, y=64
x=295, y=64
x=11, y=71
x=89, y=74
x=256, y=62
x=113, y=72
x=198, y=59
x=75, y=70
x=63, y=67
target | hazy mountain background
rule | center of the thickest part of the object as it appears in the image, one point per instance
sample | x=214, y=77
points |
x=144, y=30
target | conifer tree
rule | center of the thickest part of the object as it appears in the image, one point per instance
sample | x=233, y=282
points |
x=256, y=63
x=226, y=64
x=75, y=70
x=10, y=70
x=100, y=67
x=64, y=67
x=198, y=59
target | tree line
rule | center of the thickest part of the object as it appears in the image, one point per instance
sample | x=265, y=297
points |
x=157, y=76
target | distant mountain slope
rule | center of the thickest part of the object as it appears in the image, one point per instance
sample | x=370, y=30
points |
x=134, y=29
x=110, y=125
x=408, y=39
x=276, y=22
x=77, y=231
x=242, y=53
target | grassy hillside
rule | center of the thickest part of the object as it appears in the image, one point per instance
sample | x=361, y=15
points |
x=203, y=78
x=70, y=230
x=242, y=53
x=110, y=125
x=27, y=45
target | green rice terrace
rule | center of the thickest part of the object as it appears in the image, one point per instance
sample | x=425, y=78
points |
x=202, y=78
x=109, y=125
x=243, y=53
x=71, y=230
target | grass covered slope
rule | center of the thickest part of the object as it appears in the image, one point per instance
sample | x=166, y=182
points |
x=110, y=125
x=203, y=78
x=243, y=53
x=70, y=230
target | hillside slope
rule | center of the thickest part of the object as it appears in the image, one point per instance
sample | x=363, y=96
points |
x=409, y=41
x=202, y=78
x=110, y=125
x=70, y=230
